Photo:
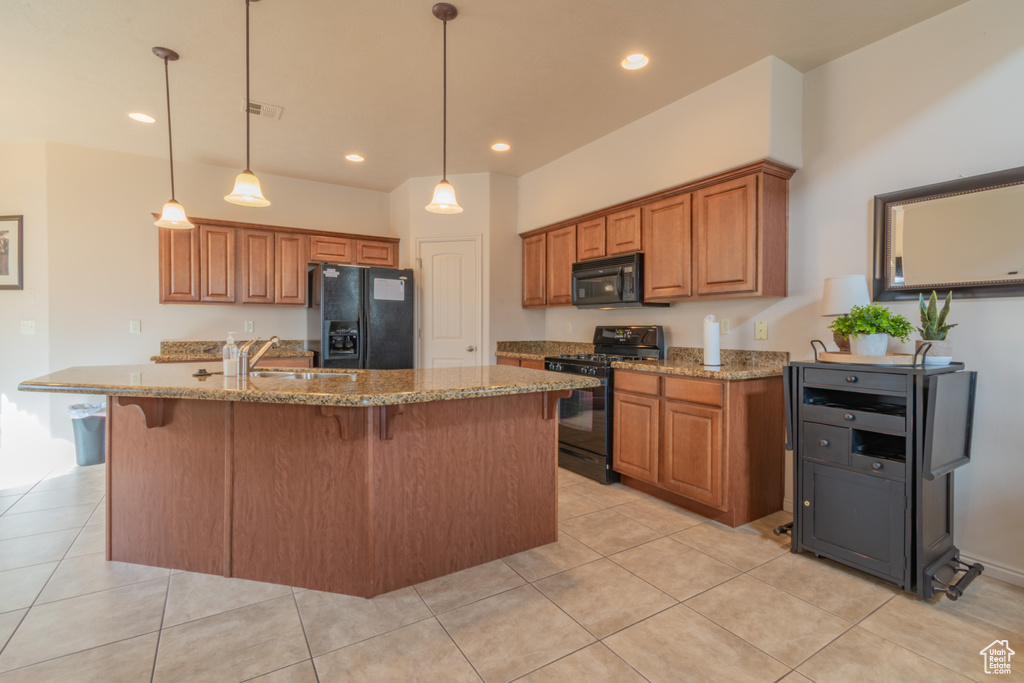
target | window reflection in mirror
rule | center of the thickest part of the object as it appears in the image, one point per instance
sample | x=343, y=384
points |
x=966, y=235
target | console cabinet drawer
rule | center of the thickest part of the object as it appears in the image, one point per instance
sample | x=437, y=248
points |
x=825, y=442
x=893, y=469
x=852, y=379
x=892, y=424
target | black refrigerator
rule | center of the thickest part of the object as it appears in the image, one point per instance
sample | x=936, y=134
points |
x=361, y=317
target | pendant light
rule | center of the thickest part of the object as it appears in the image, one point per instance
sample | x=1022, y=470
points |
x=173, y=215
x=247, y=190
x=444, y=194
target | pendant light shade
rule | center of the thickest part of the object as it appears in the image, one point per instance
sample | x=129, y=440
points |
x=247, y=190
x=173, y=214
x=444, y=193
x=444, y=199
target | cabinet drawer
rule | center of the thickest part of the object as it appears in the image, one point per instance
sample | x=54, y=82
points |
x=825, y=442
x=637, y=382
x=849, y=379
x=694, y=391
x=880, y=466
x=893, y=424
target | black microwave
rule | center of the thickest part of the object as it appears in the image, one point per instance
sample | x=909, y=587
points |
x=615, y=282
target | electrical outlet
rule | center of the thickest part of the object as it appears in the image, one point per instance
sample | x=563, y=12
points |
x=135, y=326
x=761, y=329
x=724, y=326
x=568, y=328
x=248, y=326
x=28, y=326
x=135, y=379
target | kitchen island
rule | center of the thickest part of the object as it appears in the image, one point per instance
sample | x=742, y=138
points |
x=358, y=482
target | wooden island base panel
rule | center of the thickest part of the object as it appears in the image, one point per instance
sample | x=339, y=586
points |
x=354, y=500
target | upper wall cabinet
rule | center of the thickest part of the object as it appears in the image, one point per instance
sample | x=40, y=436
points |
x=561, y=254
x=724, y=236
x=624, y=232
x=224, y=262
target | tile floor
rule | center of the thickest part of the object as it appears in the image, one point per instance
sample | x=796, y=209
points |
x=634, y=590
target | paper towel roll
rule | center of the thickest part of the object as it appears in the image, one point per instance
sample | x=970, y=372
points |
x=712, y=343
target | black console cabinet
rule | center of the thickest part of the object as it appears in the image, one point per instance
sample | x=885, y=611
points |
x=874, y=452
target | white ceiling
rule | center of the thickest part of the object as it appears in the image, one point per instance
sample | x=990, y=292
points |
x=542, y=75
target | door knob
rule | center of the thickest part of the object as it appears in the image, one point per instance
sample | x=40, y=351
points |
x=471, y=348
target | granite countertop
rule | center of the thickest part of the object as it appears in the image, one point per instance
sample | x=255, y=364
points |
x=681, y=360
x=178, y=351
x=728, y=371
x=348, y=388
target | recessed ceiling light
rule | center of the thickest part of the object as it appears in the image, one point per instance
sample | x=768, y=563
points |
x=143, y=118
x=636, y=61
x=500, y=147
x=354, y=157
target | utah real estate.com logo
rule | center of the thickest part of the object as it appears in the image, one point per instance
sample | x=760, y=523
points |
x=997, y=657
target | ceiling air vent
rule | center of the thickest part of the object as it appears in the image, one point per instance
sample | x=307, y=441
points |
x=267, y=111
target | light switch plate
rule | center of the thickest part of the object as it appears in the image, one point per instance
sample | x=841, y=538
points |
x=248, y=326
x=135, y=326
x=28, y=326
x=761, y=329
x=725, y=327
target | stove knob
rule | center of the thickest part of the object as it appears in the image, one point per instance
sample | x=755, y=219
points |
x=557, y=367
x=593, y=371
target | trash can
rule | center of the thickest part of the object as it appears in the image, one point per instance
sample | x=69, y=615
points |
x=90, y=426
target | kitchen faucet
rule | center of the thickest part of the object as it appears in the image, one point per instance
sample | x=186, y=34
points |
x=245, y=363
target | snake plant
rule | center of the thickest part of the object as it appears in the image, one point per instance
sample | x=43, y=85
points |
x=933, y=322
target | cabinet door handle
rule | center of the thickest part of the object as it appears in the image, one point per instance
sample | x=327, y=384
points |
x=849, y=417
x=852, y=379
x=876, y=466
x=823, y=443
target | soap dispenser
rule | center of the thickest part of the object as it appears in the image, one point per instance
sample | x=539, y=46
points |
x=230, y=356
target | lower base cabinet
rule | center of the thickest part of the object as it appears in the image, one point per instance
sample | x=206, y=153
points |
x=711, y=446
x=521, y=363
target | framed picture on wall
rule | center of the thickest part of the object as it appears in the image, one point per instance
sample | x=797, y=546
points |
x=12, y=253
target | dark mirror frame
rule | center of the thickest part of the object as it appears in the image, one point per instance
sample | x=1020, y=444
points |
x=882, y=291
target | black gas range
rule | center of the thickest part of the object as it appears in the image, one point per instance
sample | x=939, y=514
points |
x=585, y=419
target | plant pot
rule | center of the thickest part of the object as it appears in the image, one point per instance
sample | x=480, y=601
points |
x=940, y=353
x=869, y=344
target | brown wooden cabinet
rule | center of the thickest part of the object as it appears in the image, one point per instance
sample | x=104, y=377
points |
x=724, y=236
x=330, y=249
x=179, y=266
x=623, y=229
x=561, y=254
x=226, y=262
x=534, y=260
x=667, y=257
x=711, y=446
x=290, y=260
x=521, y=362
x=376, y=253
x=217, y=257
x=590, y=239
x=257, y=257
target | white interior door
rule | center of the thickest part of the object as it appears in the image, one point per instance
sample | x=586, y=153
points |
x=450, y=311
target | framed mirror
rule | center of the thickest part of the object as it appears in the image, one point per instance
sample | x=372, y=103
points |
x=965, y=235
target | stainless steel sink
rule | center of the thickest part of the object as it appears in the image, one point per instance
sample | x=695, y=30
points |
x=278, y=374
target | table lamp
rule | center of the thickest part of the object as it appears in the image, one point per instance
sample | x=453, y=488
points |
x=841, y=294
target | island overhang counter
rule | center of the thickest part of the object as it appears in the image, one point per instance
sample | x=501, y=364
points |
x=358, y=482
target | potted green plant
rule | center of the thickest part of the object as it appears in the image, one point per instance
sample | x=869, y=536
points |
x=869, y=327
x=934, y=329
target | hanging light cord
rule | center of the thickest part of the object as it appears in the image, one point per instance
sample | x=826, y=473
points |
x=248, y=105
x=170, y=145
x=444, y=134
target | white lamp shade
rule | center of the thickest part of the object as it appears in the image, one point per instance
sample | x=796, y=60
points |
x=444, y=199
x=843, y=293
x=173, y=217
x=247, y=191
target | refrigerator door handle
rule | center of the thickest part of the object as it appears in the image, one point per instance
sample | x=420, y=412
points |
x=364, y=341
